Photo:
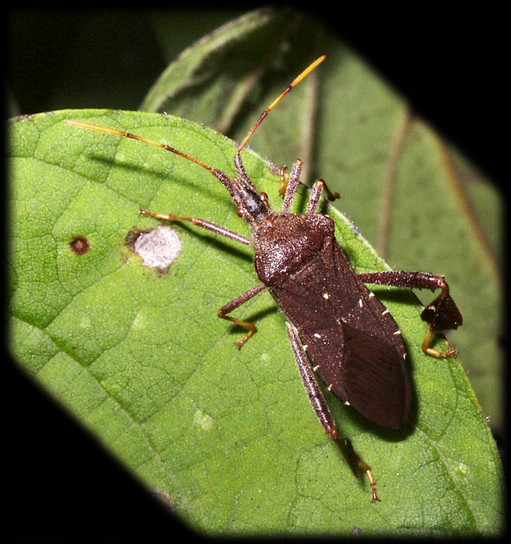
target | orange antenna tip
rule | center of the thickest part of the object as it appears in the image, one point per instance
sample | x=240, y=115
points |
x=288, y=89
x=308, y=70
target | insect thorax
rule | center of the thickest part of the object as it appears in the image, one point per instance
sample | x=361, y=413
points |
x=286, y=242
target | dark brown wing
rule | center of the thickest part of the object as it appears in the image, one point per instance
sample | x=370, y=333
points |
x=374, y=378
x=353, y=342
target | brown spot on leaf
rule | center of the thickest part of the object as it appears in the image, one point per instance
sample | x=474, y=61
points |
x=133, y=235
x=79, y=245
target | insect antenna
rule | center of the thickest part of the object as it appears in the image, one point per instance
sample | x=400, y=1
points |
x=287, y=90
x=116, y=132
x=214, y=171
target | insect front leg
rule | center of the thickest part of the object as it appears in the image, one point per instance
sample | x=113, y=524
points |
x=213, y=227
x=222, y=231
x=290, y=186
x=316, y=193
x=236, y=303
x=324, y=414
x=441, y=314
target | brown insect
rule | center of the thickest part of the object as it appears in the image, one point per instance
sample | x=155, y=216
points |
x=338, y=329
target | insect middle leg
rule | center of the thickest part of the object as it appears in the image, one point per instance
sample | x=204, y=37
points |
x=324, y=414
x=236, y=303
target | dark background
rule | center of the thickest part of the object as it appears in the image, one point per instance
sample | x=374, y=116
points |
x=446, y=59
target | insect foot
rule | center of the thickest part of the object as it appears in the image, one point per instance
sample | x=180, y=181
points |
x=441, y=314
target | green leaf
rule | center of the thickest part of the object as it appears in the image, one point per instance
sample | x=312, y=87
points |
x=412, y=196
x=138, y=355
x=198, y=82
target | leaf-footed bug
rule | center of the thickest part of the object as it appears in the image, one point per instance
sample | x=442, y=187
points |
x=338, y=329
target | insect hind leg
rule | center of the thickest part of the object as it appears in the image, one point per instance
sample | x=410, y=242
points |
x=441, y=314
x=324, y=414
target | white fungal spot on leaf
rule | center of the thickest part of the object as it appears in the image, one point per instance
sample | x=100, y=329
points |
x=159, y=248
